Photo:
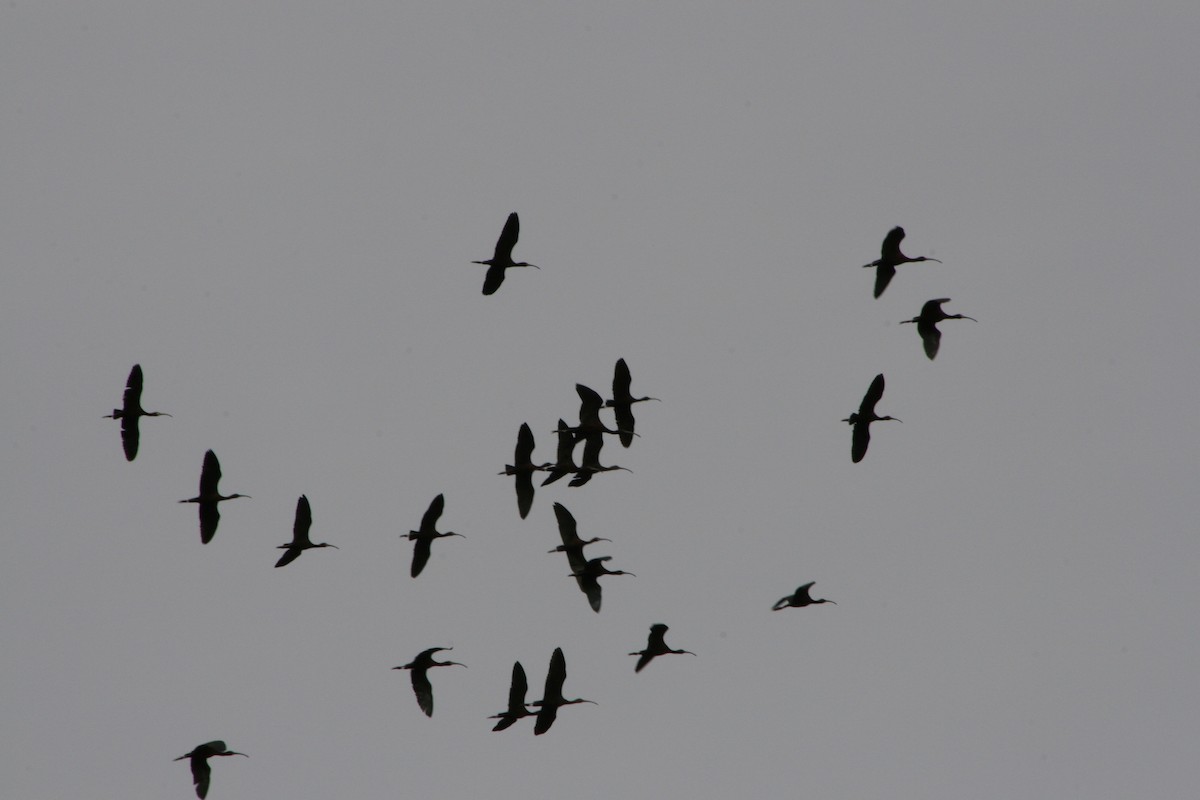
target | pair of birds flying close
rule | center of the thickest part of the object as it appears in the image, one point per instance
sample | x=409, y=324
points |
x=547, y=707
x=586, y=571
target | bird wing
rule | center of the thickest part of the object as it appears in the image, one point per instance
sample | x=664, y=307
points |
x=931, y=337
x=508, y=239
x=658, y=638
x=289, y=555
x=524, y=452
x=210, y=474
x=567, y=530
x=802, y=591
x=556, y=675
x=545, y=718
x=647, y=657
x=590, y=403
x=782, y=602
x=420, y=555
x=891, y=244
x=566, y=446
x=210, y=515
x=873, y=395
x=591, y=587
x=621, y=383
x=423, y=690
x=429, y=521
x=625, y=423
x=303, y=521
x=883, y=276
x=201, y=772
x=860, y=440
x=516, y=692
x=493, y=278
x=133, y=389
x=524, y=493
x=129, y=433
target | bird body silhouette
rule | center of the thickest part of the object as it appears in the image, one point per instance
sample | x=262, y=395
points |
x=572, y=545
x=622, y=402
x=201, y=771
x=502, y=259
x=564, y=463
x=420, y=680
x=590, y=465
x=799, y=599
x=655, y=646
x=862, y=419
x=210, y=476
x=931, y=314
x=890, y=257
x=129, y=412
x=425, y=535
x=516, y=700
x=587, y=574
x=523, y=468
x=552, y=696
x=300, y=541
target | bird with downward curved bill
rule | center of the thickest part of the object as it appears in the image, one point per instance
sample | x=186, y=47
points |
x=622, y=402
x=799, y=599
x=420, y=680
x=655, y=646
x=523, y=468
x=516, y=700
x=568, y=531
x=425, y=535
x=552, y=697
x=210, y=476
x=129, y=412
x=300, y=541
x=890, y=257
x=931, y=314
x=502, y=259
x=201, y=771
x=862, y=419
x=587, y=574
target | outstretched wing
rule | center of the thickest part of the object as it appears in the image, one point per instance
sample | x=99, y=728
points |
x=210, y=515
x=289, y=555
x=129, y=433
x=423, y=690
x=859, y=441
x=420, y=555
x=508, y=239
x=493, y=278
x=429, y=521
x=931, y=337
x=883, y=276
x=524, y=483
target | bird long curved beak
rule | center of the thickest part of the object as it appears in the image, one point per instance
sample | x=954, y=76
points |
x=970, y=318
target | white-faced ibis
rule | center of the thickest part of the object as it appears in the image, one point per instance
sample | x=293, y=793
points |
x=516, y=700
x=201, y=771
x=799, y=599
x=622, y=402
x=420, y=681
x=552, y=697
x=502, y=259
x=587, y=575
x=130, y=411
x=656, y=646
x=862, y=419
x=571, y=543
x=590, y=403
x=890, y=258
x=931, y=315
x=300, y=541
x=523, y=468
x=210, y=476
x=427, y=533
x=590, y=464
x=564, y=463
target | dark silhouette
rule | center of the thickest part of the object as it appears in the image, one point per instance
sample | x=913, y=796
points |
x=587, y=575
x=516, y=700
x=420, y=681
x=210, y=476
x=552, y=697
x=591, y=461
x=300, y=541
x=130, y=410
x=571, y=543
x=502, y=259
x=799, y=599
x=427, y=533
x=656, y=646
x=201, y=771
x=590, y=403
x=931, y=315
x=890, y=257
x=622, y=402
x=523, y=468
x=564, y=463
x=862, y=419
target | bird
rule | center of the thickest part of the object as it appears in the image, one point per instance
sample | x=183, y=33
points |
x=502, y=259
x=591, y=461
x=799, y=599
x=300, y=541
x=130, y=410
x=427, y=533
x=552, y=697
x=564, y=463
x=931, y=314
x=420, y=681
x=889, y=258
x=201, y=771
x=656, y=646
x=587, y=575
x=516, y=700
x=571, y=543
x=590, y=403
x=523, y=468
x=862, y=419
x=622, y=402
x=210, y=476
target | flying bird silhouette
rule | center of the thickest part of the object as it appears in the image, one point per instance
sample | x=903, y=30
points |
x=201, y=771
x=587, y=575
x=931, y=314
x=564, y=463
x=130, y=411
x=622, y=402
x=300, y=541
x=502, y=259
x=425, y=535
x=552, y=696
x=571, y=543
x=862, y=419
x=420, y=681
x=799, y=599
x=516, y=700
x=890, y=257
x=210, y=476
x=523, y=468
x=655, y=646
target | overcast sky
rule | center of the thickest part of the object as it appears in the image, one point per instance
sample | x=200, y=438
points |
x=272, y=208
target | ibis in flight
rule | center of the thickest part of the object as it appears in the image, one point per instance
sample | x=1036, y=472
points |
x=587, y=574
x=516, y=700
x=210, y=476
x=799, y=599
x=300, y=541
x=931, y=314
x=571, y=543
x=622, y=402
x=890, y=258
x=201, y=771
x=564, y=463
x=502, y=259
x=130, y=410
x=656, y=646
x=862, y=419
x=523, y=468
x=427, y=533
x=420, y=680
x=552, y=697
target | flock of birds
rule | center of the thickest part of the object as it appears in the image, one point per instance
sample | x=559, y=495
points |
x=591, y=431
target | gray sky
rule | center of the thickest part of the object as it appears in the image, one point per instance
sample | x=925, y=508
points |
x=272, y=208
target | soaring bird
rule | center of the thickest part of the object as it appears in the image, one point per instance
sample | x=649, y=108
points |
x=799, y=599
x=502, y=259
x=523, y=468
x=516, y=700
x=889, y=258
x=552, y=696
x=300, y=541
x=572, y=545
x=862, y=419
x=130, y=410
x=622, y=402
x=427, y=533
x=210, y=476
x=656, y=646
x=931, y=315
x=201, y=771
x=587, y=575
x=420, y=681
